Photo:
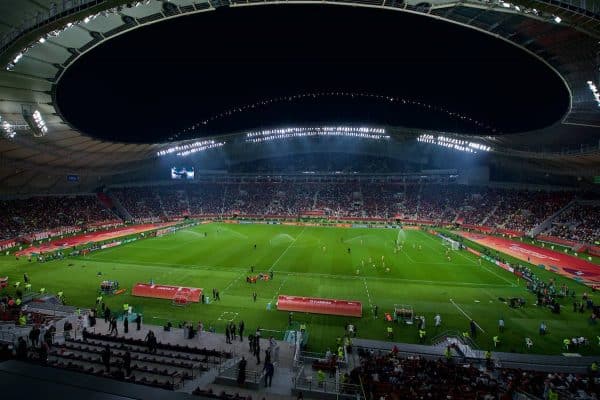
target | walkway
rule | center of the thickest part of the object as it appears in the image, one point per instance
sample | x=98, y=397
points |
x=534, y=362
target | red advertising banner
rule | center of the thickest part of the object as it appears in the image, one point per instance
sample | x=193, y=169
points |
x=594, y=250
x=7, y=244
x=481, y=228
x=473, y=251
x=511, y=232
x=556, y=240
x=319, y=306
x=366, y=219
x=312, y=213
x=104, y=224
x=166, y=292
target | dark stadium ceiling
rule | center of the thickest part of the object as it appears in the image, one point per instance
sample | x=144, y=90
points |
x=41, y=40
x=193, y=75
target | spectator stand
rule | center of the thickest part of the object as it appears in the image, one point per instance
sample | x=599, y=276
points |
x=87, y=358
x=167, y=366
x=32, y=381
x=531, y=362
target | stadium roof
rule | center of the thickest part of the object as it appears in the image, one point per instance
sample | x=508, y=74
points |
x=40, y=39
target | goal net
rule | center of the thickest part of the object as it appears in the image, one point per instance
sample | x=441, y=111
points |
x=453, y=244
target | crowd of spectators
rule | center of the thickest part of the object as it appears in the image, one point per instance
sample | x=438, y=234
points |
x=143, y=203
x=21, y=217
x=349, y=197
x=389, y=375
x=337, y=197
x=580, y=223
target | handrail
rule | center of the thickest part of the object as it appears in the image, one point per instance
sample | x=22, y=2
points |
x=327, y=385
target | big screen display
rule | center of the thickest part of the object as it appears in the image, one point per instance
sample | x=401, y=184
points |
x=183, y=173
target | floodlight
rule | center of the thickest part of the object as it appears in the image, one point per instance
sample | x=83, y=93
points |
x=35, y=121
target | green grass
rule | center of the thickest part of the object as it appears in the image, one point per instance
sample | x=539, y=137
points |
x=420, y=275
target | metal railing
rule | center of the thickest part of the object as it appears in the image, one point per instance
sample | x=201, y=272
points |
x=232, y=371
x=9, y=333
x=331, y=386
x=308, y=382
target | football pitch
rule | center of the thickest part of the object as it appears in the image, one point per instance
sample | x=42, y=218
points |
x=362, y=264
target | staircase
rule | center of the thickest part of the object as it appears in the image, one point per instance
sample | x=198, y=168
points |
x=224, y=200
x=416, y=214
x=536, y=230
x=464, y=347
x=160, y=203
x=485, y=220
x=114, y=205
x=186, y=201
x=315, y=199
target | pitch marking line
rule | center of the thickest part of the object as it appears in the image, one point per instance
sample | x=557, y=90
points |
x=307, y=274
x=410, y=258
x=227, y=316
x=162, y=265
x=232, y=282
x=499, y=276
x=466, y=315
x=449, y=283
x=280, y=286
x=368, y=296
x=287, y=248
x=473, y=262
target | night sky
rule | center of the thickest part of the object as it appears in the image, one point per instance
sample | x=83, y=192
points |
x=177, y=79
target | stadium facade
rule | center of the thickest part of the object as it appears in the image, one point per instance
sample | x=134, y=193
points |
x=40, y=152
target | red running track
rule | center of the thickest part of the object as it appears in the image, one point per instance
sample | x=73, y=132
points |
x=60, y=244
x=555, y=261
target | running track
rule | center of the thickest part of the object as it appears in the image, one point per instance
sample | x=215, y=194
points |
x=58, y=244
x=560, y=263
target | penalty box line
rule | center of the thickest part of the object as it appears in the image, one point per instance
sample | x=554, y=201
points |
x=233, y=281
x=368, y=296
x=466, y=315
x=472, y=262
x=286, y=249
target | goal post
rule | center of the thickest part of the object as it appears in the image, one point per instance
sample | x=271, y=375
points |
x=453, y=244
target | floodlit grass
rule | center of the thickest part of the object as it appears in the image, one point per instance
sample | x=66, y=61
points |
x=314, y=261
